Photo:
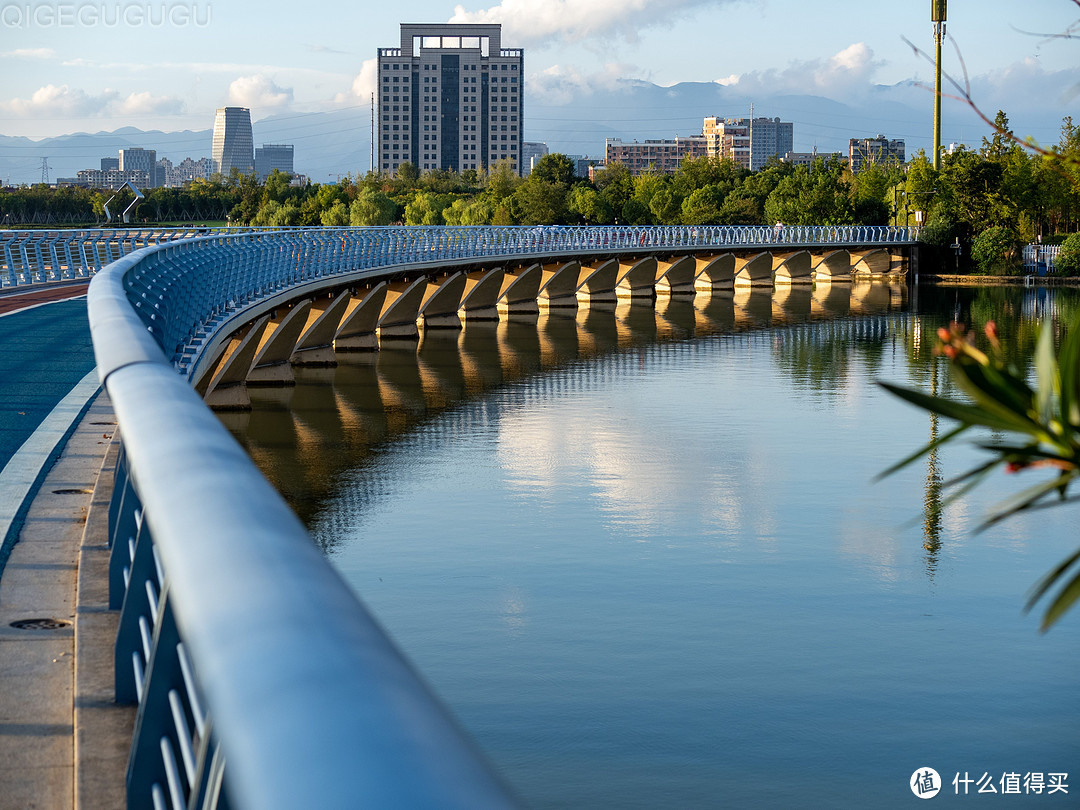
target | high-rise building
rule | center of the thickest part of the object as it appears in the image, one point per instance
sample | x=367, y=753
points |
x=451, y=97
x=136, y=159
x=864, y=151
x=233, y=147
x=663, y=156
x=108, y=164
x=531, y=152
x=748, y=142
x=272, y=156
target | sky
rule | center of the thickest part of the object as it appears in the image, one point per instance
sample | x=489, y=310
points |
x=99, y=65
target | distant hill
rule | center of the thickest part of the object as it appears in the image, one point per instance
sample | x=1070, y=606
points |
x=335, y=143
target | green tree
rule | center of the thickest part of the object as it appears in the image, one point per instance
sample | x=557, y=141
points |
x=996, y=251
x=589, y=206
x=554, y=168
x=702, y=207
x=336, y=216
x=372, y=207
x=1068, y=260
x=541, y=203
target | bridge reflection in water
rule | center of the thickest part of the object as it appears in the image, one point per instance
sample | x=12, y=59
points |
x=304, y=437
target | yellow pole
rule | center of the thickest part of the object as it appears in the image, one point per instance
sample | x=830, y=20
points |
x=937, y=14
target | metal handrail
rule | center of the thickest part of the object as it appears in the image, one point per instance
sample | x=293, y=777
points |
x=311, y=702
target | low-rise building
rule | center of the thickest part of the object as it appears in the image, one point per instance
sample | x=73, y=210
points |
x=663, y=156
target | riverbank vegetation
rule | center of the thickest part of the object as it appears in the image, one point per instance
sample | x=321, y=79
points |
x=992, y=199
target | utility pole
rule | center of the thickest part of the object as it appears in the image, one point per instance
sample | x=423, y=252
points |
x=937, y=16
x=373, y=133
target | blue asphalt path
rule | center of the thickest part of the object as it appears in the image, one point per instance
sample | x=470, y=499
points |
x=45, y=351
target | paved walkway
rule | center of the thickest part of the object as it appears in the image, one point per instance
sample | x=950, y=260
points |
x=51, y=585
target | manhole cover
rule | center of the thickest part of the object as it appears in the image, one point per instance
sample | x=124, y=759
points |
x=40, y=624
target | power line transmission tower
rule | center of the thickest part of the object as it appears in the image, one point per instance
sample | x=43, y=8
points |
x=45, y=170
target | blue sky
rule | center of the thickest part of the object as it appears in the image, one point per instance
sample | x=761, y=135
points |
x=72, y=65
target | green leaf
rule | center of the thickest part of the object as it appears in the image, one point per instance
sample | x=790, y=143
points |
x=1069, y=375
x=963, y=412
x=1023, y=500
x=952, y=434
x=1046, y=372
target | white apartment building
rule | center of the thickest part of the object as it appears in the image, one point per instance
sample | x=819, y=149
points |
x=450, y=97
x=748, y=142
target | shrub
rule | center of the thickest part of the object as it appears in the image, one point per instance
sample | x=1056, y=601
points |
x=1068, y=260
x=996, y=251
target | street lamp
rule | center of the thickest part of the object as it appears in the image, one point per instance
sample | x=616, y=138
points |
x=937, y=16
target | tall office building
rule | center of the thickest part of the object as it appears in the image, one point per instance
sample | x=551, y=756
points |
x=748, y=142
x=272, y=156
x=451, y=97
x=233, y=146
x=865, y=151
x=136, y=159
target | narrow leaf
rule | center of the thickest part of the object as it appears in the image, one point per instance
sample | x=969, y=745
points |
x=1046, y=372
x=921, y=452
x=1062, y=602
x=961, y=411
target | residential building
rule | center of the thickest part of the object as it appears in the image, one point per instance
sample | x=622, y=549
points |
x=112, y=178
x=531, y=152
x=110, y=163
x=233, y=147
x=865, y=151
x=750, y=142
x=272, y=156
x=137, y=159
x=450, y=97
x=663, y=156
x=188, y=170
x=807, y=158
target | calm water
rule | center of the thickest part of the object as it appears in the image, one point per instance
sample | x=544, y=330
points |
x=642, y=556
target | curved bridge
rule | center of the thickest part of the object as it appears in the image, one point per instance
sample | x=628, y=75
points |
x=237, y=639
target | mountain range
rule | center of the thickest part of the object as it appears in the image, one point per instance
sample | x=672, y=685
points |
x=573, y=121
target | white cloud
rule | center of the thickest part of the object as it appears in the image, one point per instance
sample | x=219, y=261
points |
x=363, y=85
x=29, y=53
x=52, y=101
x=147, y=104
x=851, y=71
x=531, y=22
x=258, y=92
x=561, y=84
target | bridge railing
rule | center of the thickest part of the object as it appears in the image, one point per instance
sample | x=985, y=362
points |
x=43, y=256
x=237, y=637
x=239, y=641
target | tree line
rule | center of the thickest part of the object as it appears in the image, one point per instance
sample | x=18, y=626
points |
x=991, y=199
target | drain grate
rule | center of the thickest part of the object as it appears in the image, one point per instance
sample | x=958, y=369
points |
x=40, y=624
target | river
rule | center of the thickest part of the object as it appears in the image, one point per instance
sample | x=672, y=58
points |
x=642, y=555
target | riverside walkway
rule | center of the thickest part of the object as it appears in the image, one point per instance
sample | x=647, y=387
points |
x=54, y=432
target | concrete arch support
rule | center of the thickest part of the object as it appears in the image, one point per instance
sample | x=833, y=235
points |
x=754, y=271
x=357, y=330
x=520, y=289
x=559, y=288
x=834, y=267
x=403, y=300
x=316, y=345
x=226, y=387
x=638, y=279
x=482, y=290
x=792, y=268
x=441, y=303
x=715, y=272
x=272, y=366
x=871, y=263
x=676, y=277
x=596, y=283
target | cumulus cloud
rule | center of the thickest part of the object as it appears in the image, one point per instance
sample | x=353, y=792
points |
x=561, y=84
x=849, y=72
x=52, y=101
x=148, y=104
x=532, y=22
x=258, y=92
x=29, y=53
x=362, y=86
